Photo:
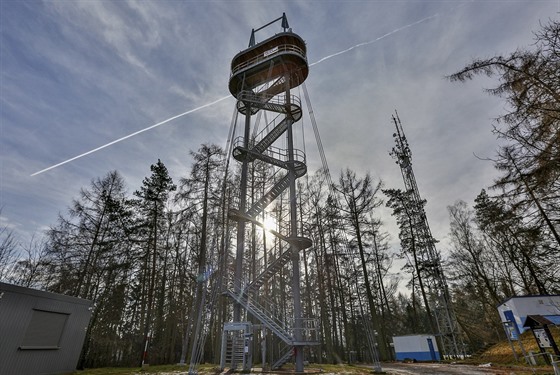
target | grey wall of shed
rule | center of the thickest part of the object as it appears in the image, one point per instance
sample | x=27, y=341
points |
x=16, y=309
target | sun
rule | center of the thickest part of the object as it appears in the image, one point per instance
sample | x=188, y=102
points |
x=270, y=223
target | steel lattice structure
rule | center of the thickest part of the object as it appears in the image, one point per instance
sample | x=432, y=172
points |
x=262, y=77
x=429, y=257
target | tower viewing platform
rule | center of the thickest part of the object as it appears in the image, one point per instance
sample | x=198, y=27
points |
x=283, y=55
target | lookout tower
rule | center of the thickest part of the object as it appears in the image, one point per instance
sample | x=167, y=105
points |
x=262, y=77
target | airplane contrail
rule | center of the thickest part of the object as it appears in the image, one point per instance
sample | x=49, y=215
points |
x=225, y=97
x=373, y=41
x=130, y=135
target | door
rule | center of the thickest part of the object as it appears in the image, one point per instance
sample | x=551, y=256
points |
x=432, y=350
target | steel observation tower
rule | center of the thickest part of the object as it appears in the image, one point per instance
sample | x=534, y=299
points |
x=262, y=77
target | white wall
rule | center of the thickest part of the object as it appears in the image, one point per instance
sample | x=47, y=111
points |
x=414, y=343
x=530, y=305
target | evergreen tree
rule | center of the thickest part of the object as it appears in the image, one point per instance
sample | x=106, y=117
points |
x=409, y=214
x=530, y=155
x=152, y=201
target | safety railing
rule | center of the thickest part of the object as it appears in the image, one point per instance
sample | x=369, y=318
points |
x=267, y=55
x=272, y=151
x=263, y=98
x=309, y=327
x=547, y=358
x=309, y=330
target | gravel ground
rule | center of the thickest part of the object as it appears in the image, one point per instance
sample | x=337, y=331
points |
x=451, y=369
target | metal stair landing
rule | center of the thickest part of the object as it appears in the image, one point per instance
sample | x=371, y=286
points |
x=269, y=102
x=273, y=156
x=275, y=325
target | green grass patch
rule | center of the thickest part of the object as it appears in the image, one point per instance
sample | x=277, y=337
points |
x=209, y=369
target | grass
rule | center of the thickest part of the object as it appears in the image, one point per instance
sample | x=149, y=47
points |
x=500, y=355
x=501, y=352
x=209, y=369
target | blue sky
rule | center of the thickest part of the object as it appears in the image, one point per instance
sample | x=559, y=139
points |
x=76, y=75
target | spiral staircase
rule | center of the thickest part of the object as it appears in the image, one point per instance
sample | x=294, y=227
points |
x=261, y=79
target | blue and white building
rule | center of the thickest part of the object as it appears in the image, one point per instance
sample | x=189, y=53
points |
x=416, y=347
x=514, y=311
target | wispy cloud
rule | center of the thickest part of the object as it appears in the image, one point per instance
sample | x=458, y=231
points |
x=77, y=74
x=219, y=100
x=130, y=135
x=374, y=40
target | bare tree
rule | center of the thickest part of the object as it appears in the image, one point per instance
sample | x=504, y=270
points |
x=8, y=251
x=360, y=197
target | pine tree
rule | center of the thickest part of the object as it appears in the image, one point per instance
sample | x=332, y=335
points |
x=152, y=200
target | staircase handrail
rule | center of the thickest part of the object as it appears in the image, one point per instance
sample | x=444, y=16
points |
x=277, y=326
x=288, y=353
x=244, y=287
x=262, y=98
x=310, y=330
x=277, y=153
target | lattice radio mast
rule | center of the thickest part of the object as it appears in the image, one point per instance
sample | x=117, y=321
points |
x=428, y=256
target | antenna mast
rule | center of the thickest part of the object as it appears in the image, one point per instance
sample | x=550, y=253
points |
x=429, y=257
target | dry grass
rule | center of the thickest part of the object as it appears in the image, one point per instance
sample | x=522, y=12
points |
x=500, y=355
x=213, y=370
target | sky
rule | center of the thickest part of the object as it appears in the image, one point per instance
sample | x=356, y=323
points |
x=80, y=75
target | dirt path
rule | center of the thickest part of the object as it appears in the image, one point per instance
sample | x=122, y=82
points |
x=444, y=369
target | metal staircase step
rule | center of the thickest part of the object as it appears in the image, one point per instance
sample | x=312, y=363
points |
x=283, y=359
x=272, y=269
x=267, y=198
x=273, y=135
x=269, y=322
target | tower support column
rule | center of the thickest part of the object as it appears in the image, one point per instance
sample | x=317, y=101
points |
x=296, y=275
x=240, y=252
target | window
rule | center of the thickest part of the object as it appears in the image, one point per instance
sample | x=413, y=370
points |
x=44, y=330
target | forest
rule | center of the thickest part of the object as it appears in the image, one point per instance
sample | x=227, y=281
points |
x=155, y=260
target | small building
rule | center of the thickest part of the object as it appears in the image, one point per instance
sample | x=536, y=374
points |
x=416, y=347
x=514, y=311
x=40, y=332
